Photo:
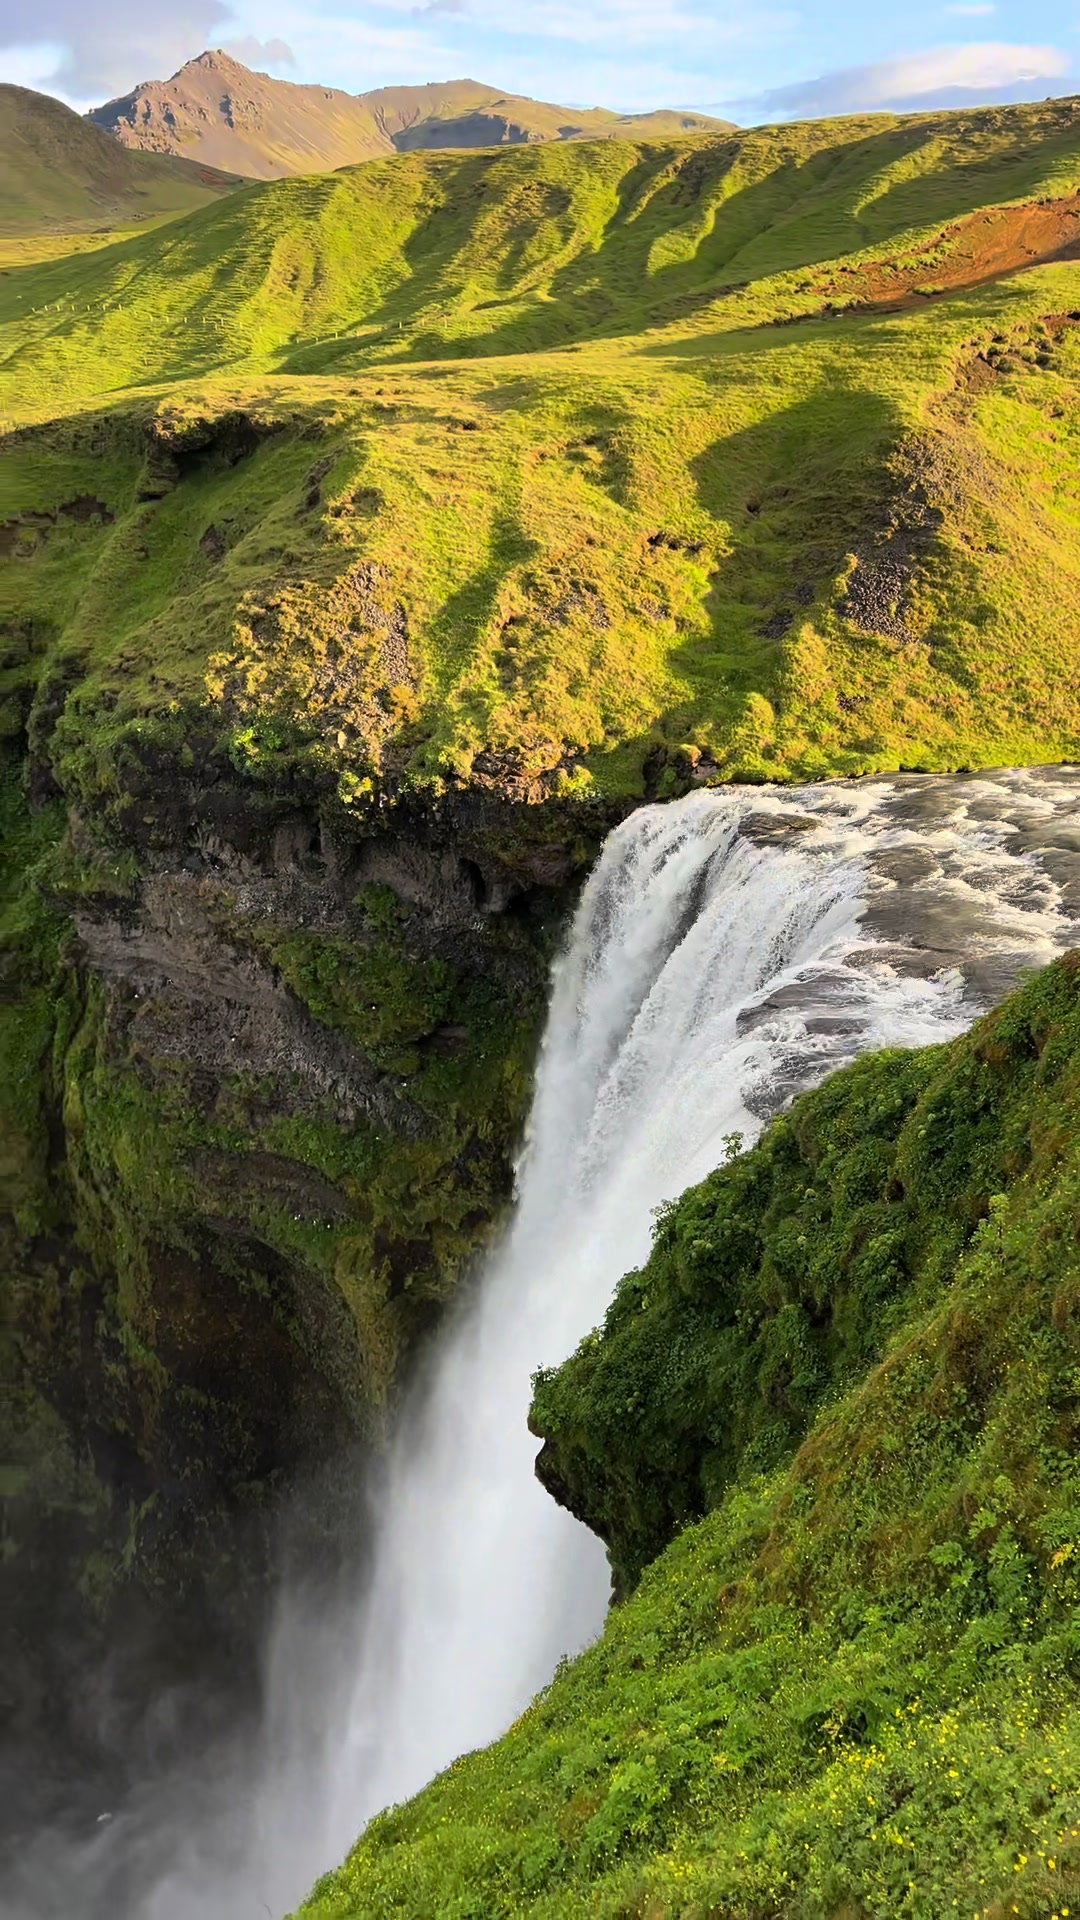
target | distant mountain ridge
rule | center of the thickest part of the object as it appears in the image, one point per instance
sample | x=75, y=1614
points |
x=218, y=112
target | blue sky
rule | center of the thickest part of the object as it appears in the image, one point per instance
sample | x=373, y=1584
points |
x=777, y=59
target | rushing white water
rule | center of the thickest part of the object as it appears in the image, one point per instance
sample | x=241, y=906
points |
x=727, y=950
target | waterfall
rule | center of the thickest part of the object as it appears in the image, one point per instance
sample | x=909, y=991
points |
x=728, y=950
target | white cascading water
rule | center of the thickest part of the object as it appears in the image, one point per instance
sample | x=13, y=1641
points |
x=728, y=949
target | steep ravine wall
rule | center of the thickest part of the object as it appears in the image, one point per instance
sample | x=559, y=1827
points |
x=264, y=1082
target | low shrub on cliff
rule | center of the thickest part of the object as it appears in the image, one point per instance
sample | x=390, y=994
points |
x=854, y=1687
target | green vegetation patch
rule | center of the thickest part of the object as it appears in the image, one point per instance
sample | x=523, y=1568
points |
x=65, y=185
x=575, y=469
x=31, y=938
x=778, y=1281
x=823, y=552
x=384, y=1207
x=523, y=250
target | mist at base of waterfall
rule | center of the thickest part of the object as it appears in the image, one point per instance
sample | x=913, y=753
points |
x=729, y=950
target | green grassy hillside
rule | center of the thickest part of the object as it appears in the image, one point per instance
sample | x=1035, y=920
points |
x=694, y=536
x=778, y=1282
x=60, y=176
x=854, y=1688
x=662, y=246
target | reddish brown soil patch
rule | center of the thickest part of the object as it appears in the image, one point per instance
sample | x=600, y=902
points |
x=985, y=247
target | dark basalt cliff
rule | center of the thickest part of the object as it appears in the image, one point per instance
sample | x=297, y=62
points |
x=270, y=1073
x=267, y=1030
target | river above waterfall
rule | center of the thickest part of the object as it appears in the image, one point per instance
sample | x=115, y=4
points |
x=729, y=950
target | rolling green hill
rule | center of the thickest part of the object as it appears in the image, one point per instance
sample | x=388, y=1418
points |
x=60, y=175
x=658, y=448
x=216, y=110
x=661, y=245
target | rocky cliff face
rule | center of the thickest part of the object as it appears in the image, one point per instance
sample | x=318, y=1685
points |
x=273, y=1076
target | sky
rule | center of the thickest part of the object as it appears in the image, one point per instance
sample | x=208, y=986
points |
x=774, y=60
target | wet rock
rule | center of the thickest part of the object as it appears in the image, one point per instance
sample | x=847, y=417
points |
x=769, y=829
x=903, y=864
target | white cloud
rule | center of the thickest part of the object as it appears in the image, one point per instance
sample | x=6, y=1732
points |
x=992, y=64
x=621, y=52
x=619, y=23
x=984, y=71
x=30, y=66
x=615, y=24
x=357, y=52
x=260, y=54
x=105, y=49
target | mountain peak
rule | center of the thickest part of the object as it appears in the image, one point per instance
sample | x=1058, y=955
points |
x=218, y=112
x=211, y=60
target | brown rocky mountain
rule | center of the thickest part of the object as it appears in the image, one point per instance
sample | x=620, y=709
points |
x=464, y=113
x=218, y=112
x=214, y=107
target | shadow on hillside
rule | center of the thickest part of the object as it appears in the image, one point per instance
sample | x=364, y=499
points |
x=788, y=511
x=435, y=243
x=467, y=613
x=787, y=499
x=801, y=215
x=809, y=210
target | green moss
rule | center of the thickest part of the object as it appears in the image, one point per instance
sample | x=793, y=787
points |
x=854, y=1687
x=366, y=991
x=385, y=1210
x=460, y=1047
x=30, y=943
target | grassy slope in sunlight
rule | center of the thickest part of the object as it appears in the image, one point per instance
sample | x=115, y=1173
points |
x=689, y=537
x=520, y=251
